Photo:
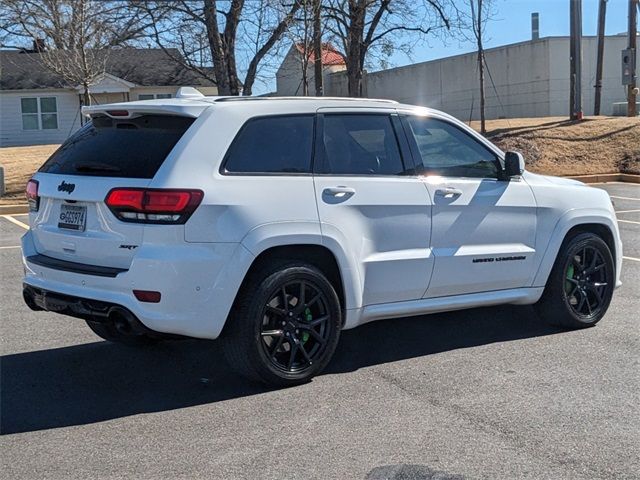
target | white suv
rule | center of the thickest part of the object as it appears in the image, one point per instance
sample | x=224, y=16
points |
x=273, y=223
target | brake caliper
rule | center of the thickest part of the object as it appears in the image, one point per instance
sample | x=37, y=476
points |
x=568, y=286
x=308, y=317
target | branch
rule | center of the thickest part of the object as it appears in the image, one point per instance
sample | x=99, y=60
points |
x=424, y=31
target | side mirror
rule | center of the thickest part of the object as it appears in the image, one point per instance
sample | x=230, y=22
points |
x=513, y=164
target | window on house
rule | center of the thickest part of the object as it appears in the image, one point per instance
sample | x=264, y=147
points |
x=151, y=96
x=39, y=113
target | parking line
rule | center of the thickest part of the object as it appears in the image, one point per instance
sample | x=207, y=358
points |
x=16, y=222
x=10, y=246
x=627, y=211
x=625, y=198
x=629, y=221
x=631, y=258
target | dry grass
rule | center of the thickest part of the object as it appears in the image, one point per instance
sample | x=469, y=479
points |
x=19, y=164
x=551, y=145
x=556, y=146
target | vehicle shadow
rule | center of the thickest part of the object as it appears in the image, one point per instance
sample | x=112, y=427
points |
x=99, y=381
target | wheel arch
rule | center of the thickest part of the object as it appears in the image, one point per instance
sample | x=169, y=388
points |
x=317, y=255
x=574, y=223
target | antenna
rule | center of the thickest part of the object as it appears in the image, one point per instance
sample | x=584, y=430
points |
x=188, y=92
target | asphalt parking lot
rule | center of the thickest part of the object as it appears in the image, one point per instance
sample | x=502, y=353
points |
x=486, y=393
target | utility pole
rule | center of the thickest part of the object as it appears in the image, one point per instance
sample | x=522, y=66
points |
x=317, y=47
x=631, y=46
x=477, y=27
x=575, y=60
x=602, y=15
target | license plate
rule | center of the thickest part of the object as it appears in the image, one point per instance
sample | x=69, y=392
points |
x=72, y=217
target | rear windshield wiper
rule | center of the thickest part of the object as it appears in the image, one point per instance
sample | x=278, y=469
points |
x=95, y=167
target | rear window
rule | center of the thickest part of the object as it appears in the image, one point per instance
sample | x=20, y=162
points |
x=107, y=147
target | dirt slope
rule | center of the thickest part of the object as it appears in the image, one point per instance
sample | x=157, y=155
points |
x=556, y=146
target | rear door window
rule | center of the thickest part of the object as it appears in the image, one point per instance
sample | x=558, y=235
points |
x=272, y=145
x=360, y=144
x=108, y=147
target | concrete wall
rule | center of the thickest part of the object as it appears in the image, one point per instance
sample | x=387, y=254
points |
x=530, y=79
x=612, y=88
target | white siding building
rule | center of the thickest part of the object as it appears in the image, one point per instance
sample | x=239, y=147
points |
x=36, y=107
x=527, y=79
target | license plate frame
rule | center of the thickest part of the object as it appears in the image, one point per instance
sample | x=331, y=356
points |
x=72, y=217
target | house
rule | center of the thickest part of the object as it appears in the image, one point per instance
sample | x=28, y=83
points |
x=39, y=107
x=290, y=78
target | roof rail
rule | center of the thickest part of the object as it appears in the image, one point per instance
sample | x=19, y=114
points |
x=346, y=99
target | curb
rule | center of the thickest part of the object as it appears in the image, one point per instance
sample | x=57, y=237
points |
x=607, y=177
x=13, y=209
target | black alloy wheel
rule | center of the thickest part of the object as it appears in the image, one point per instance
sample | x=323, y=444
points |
x=295, y=326
x=580, y=286
x=285, y=324
x=587, y=278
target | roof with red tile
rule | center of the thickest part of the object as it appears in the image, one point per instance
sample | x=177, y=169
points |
x=330, y=56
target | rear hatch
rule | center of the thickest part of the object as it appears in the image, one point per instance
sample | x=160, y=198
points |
x=69, y=219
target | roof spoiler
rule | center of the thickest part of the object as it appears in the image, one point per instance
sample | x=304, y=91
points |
x=126, y=110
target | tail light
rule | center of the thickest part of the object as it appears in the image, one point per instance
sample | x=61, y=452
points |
x=146, y=205
x=32, y=195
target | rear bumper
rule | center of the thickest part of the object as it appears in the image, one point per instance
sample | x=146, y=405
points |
x=39, y=299
x=85, y=308
x=198, y=283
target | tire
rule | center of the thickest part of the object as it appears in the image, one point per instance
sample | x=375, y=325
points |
x=581, y=283
x=275, y=333
x=108, y=331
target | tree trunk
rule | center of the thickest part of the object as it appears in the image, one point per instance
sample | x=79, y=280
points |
x=229, y=44
x=355, y=54
x=215, y=44
x=305, y=70
x=317, y=48
x=483, y=127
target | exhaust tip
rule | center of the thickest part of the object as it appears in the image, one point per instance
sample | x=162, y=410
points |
x=27, y=296
x=125, y=322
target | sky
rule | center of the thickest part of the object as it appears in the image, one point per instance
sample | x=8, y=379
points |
x=512, y=24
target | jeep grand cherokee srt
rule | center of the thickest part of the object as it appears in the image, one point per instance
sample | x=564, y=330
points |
x=274, y=223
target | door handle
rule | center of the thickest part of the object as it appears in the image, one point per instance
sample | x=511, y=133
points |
x=448, y=192
x=339, y=192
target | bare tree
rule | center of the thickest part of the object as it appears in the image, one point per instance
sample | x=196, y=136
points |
x=73, y=37
x=472, y=25
x=306, y=34
x=367, y=27
x=300, y=34
x=233, y=28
